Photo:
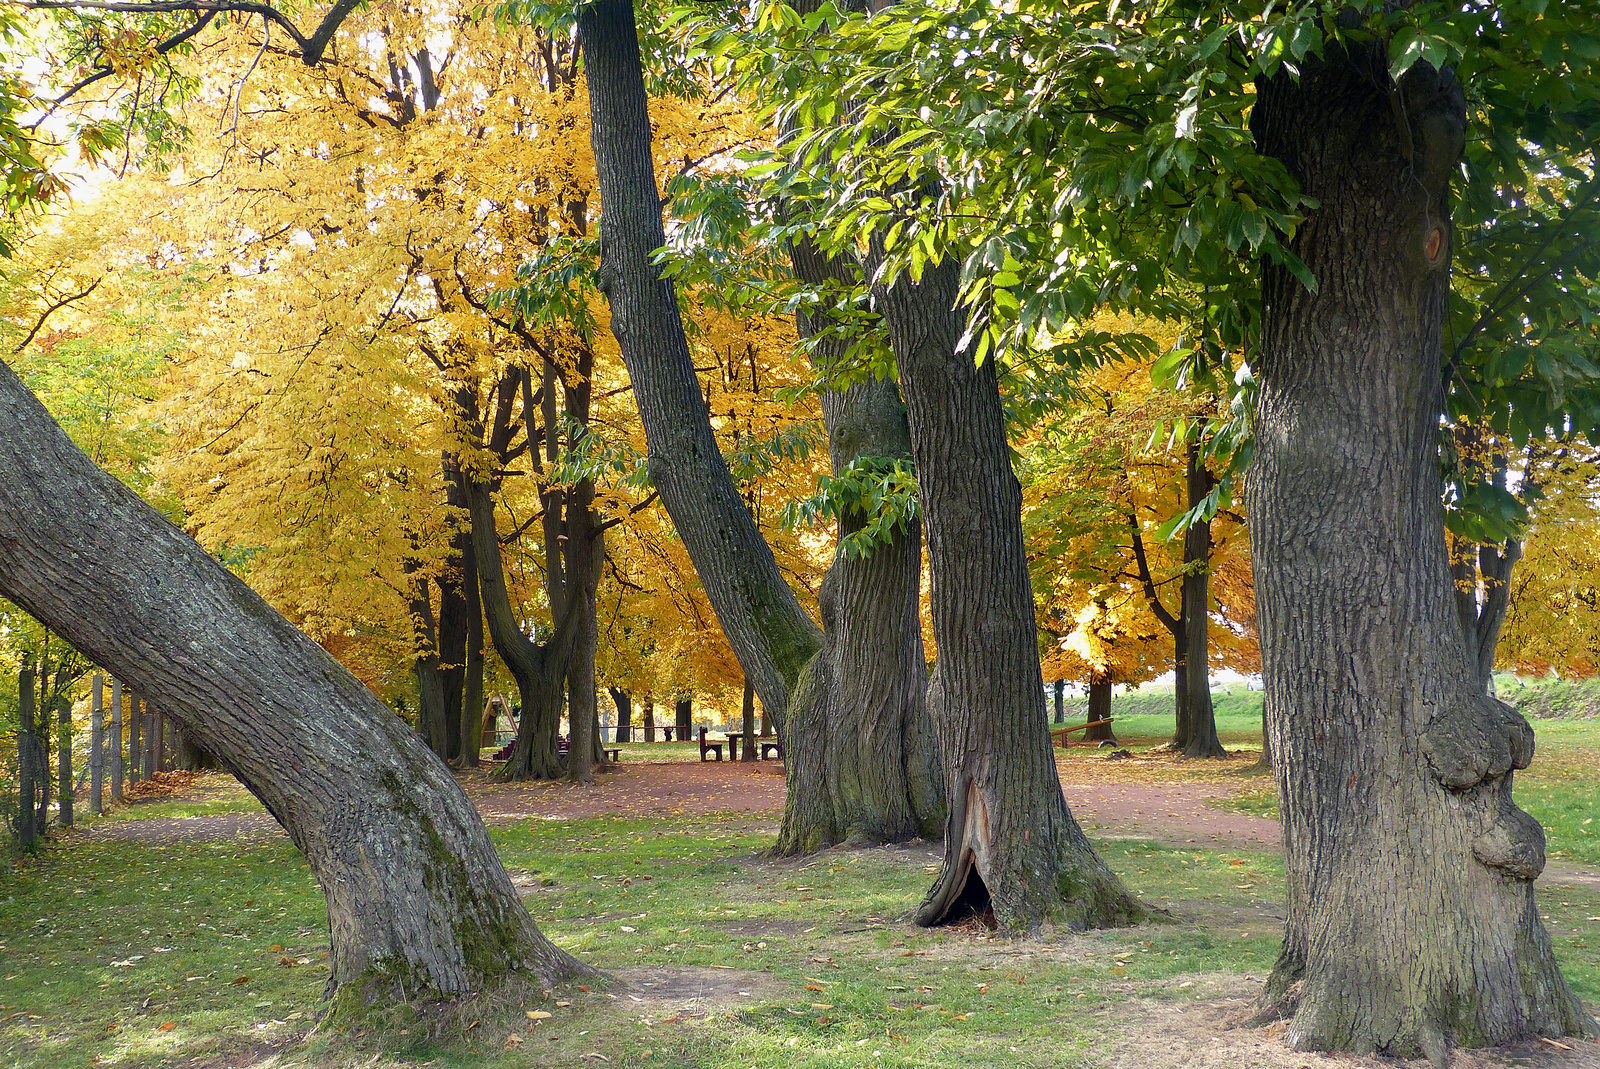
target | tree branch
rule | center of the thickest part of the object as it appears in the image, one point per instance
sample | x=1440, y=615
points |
x=311, y=48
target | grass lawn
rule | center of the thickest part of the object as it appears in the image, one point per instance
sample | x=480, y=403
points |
x=121, y=953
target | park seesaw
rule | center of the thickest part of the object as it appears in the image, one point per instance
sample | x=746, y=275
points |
x=1059, y=735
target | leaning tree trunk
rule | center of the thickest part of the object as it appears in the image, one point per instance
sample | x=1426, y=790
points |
x=769, y=632
x=1010, y=840
x=1411, y=922
x=1198, y=725
x=417, y=900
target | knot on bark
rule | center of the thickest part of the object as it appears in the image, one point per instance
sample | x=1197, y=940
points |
x=1476, y=738
x=1515, y=845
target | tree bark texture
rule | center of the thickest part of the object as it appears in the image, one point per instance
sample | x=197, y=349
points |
x=586, y=551
x=649, y=718
x=685, y=717
x=768, y=631
x=1061, y=701
x=1482, y=576
x=861, y=758
x=417, y=899
x=624, y=703
x=1008, y=824
x=1411, y=923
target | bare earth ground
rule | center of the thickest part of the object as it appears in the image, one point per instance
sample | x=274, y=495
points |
x=1132, y=798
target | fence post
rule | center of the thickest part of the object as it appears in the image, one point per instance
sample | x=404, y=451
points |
x=116, y=739
x=97, y=726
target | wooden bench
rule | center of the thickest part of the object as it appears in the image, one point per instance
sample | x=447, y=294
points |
x=769, y=746
x=613, y=753
x=705, y=747
x=1059, y=735
x=667, y=730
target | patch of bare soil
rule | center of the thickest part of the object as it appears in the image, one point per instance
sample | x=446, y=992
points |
x=223, y=827
x=691, y=991
x=1192, y=1033
x=635, y=789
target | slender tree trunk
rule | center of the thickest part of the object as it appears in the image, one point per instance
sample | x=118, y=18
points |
x=455, y=622
x=147, y=735
x=418, y=902
x=63, y=750
x=97, y=727
x=685, y=717
x=472, y=687
x=1061, y=701
x=1201, y=738
x=116, y=739
x=1010, y=840
x=540, y=669
x=1099, y=709
x=135, y=717
x=585, y=550
x=624, y=704
x=28, y=771
x=1183, y=729
x=41, y=745
x=1411, y=922
x=772, y=637
x=649, y=718
x=161, y=742
x=747, y=721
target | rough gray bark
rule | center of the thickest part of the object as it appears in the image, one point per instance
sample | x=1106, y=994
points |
x=417, y=899
x=769, y=632
x=860, y=754
x=1010, y=841
x=1411, y=922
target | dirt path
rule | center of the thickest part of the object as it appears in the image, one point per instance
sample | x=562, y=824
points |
x=1175, y=812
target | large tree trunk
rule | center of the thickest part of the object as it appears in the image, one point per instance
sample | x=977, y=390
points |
x=1411, y=922
x=649, y=718
x=770, y=634
x=861, y=758
x=1010, y=840
x=417, y=900
x=453, y=628
x=1198, y=726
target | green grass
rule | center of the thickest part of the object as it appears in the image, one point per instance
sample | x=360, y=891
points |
x=1146, y=719
x=222, y=795
x=1559, y=790
x=104, y=942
